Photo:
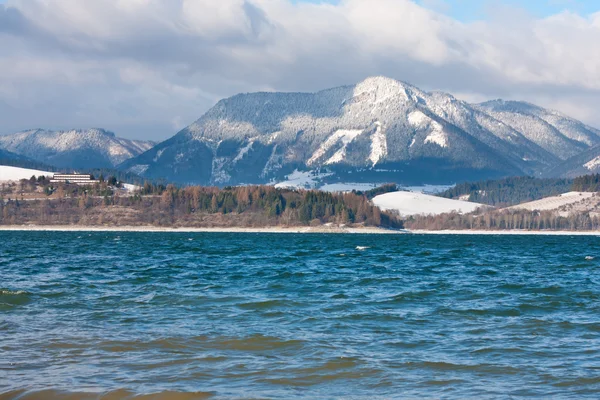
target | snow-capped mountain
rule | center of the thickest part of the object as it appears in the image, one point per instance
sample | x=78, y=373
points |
x=378, y=130
x=554, y=132
x=91, y=148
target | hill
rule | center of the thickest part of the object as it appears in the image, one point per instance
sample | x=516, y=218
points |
x=410, y=203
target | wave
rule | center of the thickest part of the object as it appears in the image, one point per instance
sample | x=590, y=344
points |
x=6, y=292
x=121, y=394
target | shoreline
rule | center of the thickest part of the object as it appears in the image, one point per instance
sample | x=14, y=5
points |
x=285, y=230
x=273, y=229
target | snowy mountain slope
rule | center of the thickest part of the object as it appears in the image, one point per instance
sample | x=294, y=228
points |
x=587, y=162
x=10, y=156
x=560, y=135
x=91, y=148
x=378, y=130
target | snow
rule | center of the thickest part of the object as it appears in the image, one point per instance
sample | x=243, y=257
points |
x=16, y=174
x=348, y=187
x=378, y=145
x=437, y=136
x=421, y=121
x=346, y=136
x=310, y=129
x=410, y=203
x=301, y=180
x=593, y=164
x=41, y=144
x=418, y=119
x=554, y=202
x=139, y=169
x=130, y=187
x=243, y=151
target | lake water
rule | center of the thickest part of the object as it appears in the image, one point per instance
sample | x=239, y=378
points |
x=182, y=316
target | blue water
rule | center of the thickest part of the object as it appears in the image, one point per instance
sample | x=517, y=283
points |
x=181, y=316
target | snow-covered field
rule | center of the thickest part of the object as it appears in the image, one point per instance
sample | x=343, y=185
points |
x=314, y=180
x=302, y=180
x=555, y=202
x=428, y=189
x=16, y=174
x=130, y=187
x=411, y=203
x=348, y=187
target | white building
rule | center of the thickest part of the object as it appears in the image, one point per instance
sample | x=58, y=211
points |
x=78, y=179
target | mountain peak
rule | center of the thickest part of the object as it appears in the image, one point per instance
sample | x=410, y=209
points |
x=383, y=88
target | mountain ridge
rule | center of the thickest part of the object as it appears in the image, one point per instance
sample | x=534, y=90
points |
x=378, y=129
x=76, y=148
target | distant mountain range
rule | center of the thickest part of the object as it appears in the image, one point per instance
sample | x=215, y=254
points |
x=85, y=149
x=378, y=130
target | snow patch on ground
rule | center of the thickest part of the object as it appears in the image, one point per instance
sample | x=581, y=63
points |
x=410, y=203
x=302, y=180
x=130, y=187
x=348, y=187
x=16, y=174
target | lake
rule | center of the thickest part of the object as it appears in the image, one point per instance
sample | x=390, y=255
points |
x=223, y=315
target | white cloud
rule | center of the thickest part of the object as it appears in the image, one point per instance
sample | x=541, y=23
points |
x=136, y=66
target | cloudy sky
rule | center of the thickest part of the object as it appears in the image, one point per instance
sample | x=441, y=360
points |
x=146, y=68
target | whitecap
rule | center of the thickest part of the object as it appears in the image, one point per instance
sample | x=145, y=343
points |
x=147, y=298
x=12, y=292
x=589, y=258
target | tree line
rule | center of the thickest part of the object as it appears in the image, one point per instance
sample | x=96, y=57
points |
x=506, y=220
x=194, y=206
x=509, y=191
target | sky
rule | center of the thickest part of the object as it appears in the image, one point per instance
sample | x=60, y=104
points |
x=147, y=68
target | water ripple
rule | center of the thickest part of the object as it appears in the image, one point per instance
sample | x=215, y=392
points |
x=185, y=316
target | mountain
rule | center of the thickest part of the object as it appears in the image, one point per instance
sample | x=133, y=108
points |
x=378, y=130
x=90, y=148
x=554, y=132
x=10, y=157
x=587, y=162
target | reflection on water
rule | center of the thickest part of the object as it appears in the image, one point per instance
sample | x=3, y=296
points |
x=160, y=316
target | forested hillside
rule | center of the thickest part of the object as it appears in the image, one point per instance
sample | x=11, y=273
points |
x=587, y=183
x=508, y=191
